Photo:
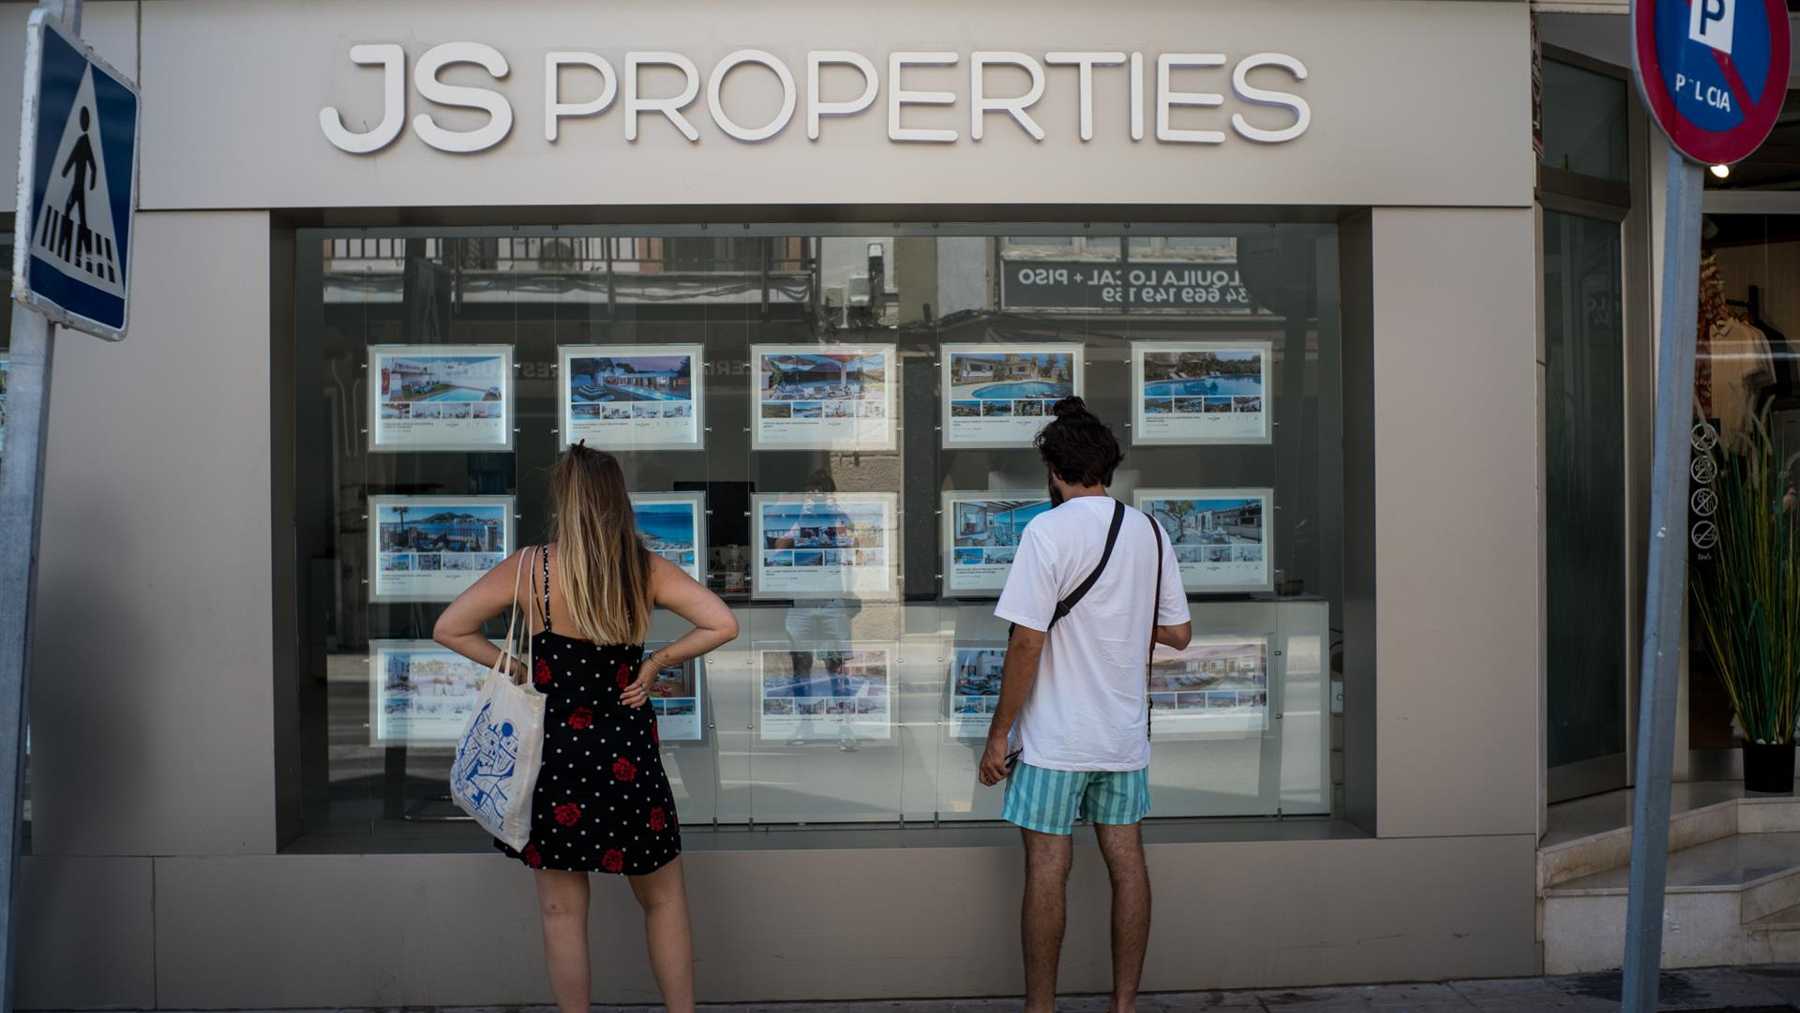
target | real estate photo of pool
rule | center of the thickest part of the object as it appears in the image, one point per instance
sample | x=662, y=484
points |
x=1010, y=376
x=1203, y=373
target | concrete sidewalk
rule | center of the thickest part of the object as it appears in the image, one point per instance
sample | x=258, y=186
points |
x=1764, y=989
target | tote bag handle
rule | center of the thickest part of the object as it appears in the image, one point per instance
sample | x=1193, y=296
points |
x=512, y=623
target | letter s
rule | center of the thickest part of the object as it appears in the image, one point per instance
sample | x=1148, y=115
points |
x=425, y=79
x=392, y=59
x=1240, y=83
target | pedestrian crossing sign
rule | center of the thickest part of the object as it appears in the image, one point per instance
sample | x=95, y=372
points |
x=77, y=184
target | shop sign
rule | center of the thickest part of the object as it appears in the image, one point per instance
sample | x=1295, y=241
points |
x=1071, y=284
x=579, y=85
x=1713, y=72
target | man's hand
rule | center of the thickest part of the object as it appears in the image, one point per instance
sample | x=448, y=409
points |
x=638, y=693
x=993, y=761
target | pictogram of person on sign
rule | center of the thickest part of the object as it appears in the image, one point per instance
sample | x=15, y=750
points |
x=81, y=163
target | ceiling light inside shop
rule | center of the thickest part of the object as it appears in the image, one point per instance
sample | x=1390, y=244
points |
x=1721, y=170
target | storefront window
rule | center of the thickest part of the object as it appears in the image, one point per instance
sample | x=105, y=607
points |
x=1747, y=376
x=832, y=430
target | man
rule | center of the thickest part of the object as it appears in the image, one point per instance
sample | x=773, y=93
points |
x=1075, y=697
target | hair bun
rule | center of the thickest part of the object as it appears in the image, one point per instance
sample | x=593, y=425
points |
x=1070, y=407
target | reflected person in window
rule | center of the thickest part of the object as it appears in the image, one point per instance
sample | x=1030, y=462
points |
x=1071, y=733
x=820, y=624
x=602, y=802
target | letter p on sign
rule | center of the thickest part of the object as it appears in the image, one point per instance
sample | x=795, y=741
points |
x=1710, y=21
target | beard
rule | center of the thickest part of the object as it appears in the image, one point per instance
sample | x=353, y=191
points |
x=1056, y=498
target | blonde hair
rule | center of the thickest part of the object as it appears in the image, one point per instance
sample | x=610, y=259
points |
x=603, y=567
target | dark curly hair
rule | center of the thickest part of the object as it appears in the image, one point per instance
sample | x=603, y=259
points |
x=1077, y=446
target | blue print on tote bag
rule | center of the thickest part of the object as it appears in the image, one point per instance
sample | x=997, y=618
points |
x=489, y=754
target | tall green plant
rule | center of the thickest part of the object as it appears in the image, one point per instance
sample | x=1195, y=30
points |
x=1748, y=602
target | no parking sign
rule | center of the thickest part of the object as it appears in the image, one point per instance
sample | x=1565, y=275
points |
x=1713, y=72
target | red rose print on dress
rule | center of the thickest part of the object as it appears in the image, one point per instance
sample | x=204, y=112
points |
x=613, y=860
x=532, y=858
x=659, y=821
x=541, y=673
x=624, y=770
x=568, y=814
x=624, y=675
x=581, y=719
x=655, y=732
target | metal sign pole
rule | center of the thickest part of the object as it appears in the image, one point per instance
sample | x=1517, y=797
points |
x=1666, y=589
x=21, y=509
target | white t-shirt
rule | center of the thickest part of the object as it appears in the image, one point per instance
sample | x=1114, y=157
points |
x=1089, y=709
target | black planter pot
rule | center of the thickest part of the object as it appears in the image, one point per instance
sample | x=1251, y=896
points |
x=1769, y=768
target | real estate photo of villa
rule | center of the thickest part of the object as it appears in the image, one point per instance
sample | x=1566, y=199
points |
x=613, y=378
x=406, y=379
x=1217, y=675
x=821, y=376
x=1208, y=522
x=991, y=527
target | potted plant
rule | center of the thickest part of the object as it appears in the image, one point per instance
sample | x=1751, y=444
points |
x=1748, y=602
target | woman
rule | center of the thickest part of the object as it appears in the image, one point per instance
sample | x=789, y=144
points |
x=602, y=802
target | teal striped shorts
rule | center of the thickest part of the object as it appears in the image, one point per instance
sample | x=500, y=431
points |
x=1050, y=801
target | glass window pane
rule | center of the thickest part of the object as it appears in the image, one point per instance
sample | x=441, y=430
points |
x=1584, y=122
x=1584, y=405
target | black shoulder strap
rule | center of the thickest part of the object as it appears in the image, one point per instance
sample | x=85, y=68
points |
x=1112, y=538
x=1155, y=609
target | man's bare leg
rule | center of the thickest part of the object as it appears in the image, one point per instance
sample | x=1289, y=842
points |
x=1047, y=858
x=1123, y=847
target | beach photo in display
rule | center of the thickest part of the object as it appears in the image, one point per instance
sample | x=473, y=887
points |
x=429, y=548
x=825, y=692
x=1220, y=536
x=675, y=696
x=1216, y=685
x=1200, y=391
x=673, y=525
x=974, y=688
x=823, y=397
x=981, y=536
x=440, y=397
x=821, y=545
x=1000, y=395
x=632, y=397
x=420, y=694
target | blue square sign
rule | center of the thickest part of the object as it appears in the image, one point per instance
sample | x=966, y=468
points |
x=78, y=144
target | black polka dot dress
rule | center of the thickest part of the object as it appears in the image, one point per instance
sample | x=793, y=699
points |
x=602, y=802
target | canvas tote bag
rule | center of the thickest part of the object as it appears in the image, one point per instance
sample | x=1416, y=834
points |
x=502, y=746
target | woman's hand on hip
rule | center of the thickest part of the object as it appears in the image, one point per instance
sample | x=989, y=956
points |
x=638, y=693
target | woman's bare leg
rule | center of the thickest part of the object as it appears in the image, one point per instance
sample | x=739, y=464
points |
x=563, y=906
x=663, y=896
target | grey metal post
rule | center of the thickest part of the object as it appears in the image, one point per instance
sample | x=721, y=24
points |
x=21, y=508
x=1666, y=587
